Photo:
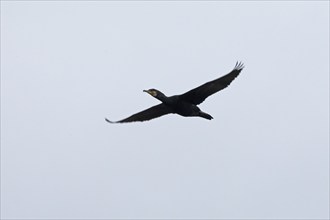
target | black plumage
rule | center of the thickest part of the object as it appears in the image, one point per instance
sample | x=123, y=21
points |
x=184, y=104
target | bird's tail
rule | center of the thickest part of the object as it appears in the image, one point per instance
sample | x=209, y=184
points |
x=205, y=115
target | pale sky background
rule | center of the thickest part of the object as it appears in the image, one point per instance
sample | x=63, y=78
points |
x=67, y=65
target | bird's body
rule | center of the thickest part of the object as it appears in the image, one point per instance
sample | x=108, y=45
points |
x=184, y=104
x=184, y=108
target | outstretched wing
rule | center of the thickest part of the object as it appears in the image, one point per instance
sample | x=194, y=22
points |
x=145, y=115
x=199, y=94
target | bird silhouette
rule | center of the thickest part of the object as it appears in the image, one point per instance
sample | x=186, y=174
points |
x=186, y=103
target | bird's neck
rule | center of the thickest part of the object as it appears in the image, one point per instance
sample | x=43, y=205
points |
x=163, y=98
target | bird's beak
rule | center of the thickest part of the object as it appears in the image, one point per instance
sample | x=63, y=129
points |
x=147, y=91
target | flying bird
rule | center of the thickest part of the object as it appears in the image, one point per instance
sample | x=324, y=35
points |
x=184, y=104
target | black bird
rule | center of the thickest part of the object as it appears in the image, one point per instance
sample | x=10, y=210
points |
x=184, y=104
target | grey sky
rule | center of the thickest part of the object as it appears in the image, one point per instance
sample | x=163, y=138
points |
x=67, y=65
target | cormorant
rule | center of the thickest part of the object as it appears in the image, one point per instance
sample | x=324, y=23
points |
x=184, y=104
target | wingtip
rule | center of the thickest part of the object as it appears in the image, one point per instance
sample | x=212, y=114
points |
x=239, y=65
x=107, y=120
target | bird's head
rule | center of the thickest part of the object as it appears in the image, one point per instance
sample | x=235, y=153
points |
x=153, y=92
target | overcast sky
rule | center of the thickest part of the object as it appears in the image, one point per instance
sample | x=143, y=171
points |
x=67, y=65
